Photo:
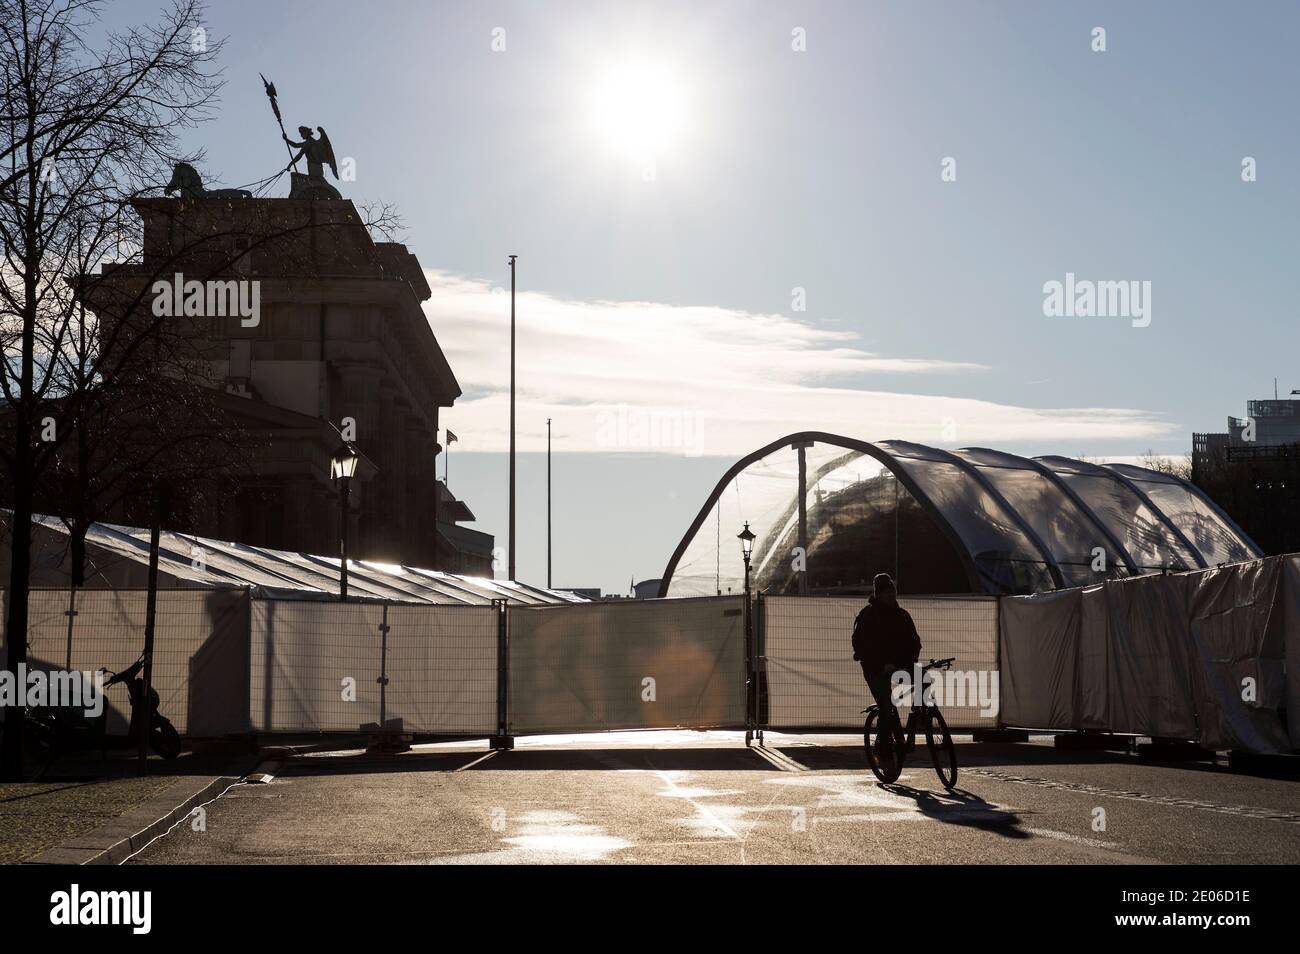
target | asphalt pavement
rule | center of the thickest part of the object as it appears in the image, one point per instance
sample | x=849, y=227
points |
x=683, y=797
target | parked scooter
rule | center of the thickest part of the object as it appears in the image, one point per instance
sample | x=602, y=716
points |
x=163, y=737
x=50, y=731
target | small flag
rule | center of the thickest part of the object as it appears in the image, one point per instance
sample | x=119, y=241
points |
x=451, y=438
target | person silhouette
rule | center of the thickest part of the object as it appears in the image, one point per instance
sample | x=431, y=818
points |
x=885, y=641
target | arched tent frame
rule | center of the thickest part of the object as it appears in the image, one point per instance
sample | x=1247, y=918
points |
x=972, y=463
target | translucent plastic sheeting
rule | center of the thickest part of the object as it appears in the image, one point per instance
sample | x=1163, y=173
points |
x=974, y=520
x=1140, y=529
x=812, y=680
x=200, y=663
x=762, y=495
x=1070, y=533
x=859, y=520
x=315, y=666
x=1004, y=556
x=634, y=665
x=1198, y=656
x=1187, y=510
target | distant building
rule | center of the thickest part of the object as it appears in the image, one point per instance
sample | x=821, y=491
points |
x=1252, y=471
x=1271, y=428
x=341, y=336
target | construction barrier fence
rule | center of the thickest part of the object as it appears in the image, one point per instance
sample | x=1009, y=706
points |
x=1166, y=656
x=200, y=663
x=627, y=665
x=813, y=682
x=333, y=667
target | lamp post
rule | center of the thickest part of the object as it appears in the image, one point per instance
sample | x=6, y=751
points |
x=746, y=538
x=343, y=467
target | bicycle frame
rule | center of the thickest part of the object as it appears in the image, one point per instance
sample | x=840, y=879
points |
x=919, y=714
x=922, y=714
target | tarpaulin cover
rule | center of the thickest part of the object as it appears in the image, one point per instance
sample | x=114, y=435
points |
x=627, y=665
x=1199, y=656
x=812, y=680
x=315, y=666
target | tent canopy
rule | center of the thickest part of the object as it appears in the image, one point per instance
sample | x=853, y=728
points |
x=830, y=511
x=118, y=556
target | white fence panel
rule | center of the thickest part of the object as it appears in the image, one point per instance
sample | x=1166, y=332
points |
x=315, y=666
x=813, y=682
x=627, y=665
x=200, y=666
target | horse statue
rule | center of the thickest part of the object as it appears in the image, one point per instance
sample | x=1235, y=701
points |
x=187, y=181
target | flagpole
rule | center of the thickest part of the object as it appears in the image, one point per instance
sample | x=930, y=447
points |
x=548, y=503
x=512, y=417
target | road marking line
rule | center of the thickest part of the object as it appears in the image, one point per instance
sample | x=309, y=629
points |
x=712, y=819
x=1168, y=801
x=1073, y=839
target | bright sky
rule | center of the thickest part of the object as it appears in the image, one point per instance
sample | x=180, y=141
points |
x=731, y=239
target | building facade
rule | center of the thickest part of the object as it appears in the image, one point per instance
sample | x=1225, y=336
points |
x=1269, y=429
x=339, y=347
x=1253, y=471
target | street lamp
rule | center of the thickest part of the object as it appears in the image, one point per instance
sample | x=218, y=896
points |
x=343, y=467
x=746, y=538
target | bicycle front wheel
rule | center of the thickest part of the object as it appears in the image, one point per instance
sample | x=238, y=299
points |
x=886, y=760
x=942, y=752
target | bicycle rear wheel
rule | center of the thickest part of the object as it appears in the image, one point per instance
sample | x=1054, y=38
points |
x=942, y=752
x=887, y=762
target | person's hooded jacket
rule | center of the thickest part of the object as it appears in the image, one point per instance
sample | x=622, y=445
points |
x=885, y=635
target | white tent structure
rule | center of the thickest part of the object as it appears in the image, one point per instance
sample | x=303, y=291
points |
x=118, y=557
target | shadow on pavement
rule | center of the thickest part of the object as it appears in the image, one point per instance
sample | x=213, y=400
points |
x=622, y=759
x=960, y=807
x=374, y=764
x=850, y=756
x=90, y=767
x=614, y=759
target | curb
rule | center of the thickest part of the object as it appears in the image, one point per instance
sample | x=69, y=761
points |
x=115, y=841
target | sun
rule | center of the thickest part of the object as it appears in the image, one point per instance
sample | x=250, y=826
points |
x=638, y=109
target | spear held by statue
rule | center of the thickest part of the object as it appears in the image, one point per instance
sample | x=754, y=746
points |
x=275, y=108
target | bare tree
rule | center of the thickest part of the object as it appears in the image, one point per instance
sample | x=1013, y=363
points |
x=1180, y=466
x=82, y=131
x=89, y=368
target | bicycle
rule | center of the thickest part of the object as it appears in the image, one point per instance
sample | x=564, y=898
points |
x=887, y=762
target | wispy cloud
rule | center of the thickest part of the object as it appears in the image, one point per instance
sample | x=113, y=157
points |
x=638, y=376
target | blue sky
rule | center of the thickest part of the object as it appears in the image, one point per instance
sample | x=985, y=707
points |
x=817, y=170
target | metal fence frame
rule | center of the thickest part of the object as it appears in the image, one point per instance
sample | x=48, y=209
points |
x=750, y=656
x=769, y=692
x=607, y=693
